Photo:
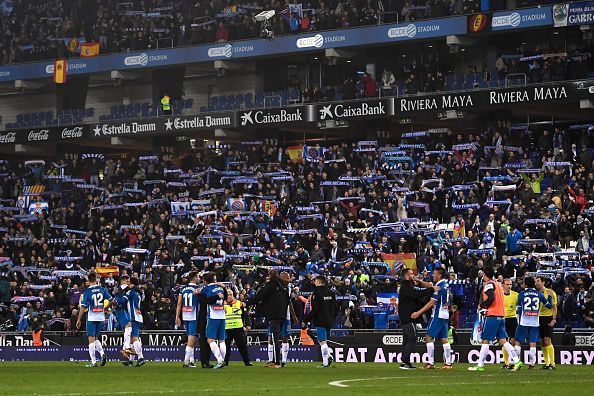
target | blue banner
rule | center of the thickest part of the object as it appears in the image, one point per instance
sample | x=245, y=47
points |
x=520, y=19
x=573, y=14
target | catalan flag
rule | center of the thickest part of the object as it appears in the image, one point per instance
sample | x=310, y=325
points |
x=34, y=190
x=60, y=71
x=268, y=206
x=88, y=50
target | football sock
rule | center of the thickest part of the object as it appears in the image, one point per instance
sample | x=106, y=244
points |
x=511, y=352
x=189, y=357
x=551, y=355
x=545, y=354
x=216, y=351
x=431, y=352
x=99, y=347
x=483, y=354
x=505, y=356
x=127, y=333
x=92, y=353
x=284, y=351
x=325, y=354
x=518, y=350
x=138, y=349
x=223, y=349
x=532, y=355
x=447, y=354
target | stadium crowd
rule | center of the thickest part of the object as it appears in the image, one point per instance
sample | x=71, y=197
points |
x=41, y=30
x=512, y=199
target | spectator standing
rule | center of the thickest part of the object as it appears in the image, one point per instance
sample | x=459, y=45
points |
x=369, y=86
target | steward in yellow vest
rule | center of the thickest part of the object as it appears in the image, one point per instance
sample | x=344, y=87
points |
x=235, y=314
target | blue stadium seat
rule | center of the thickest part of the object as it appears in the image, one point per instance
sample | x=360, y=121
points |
x=189, y=103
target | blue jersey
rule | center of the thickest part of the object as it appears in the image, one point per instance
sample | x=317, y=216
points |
x=93, y=299
x=189, y=302
x=121, y=297
x=134, y=300
x=528, y=307
x=217, y=309
x=441, y=309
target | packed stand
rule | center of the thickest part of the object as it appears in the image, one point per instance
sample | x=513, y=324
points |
x=518, y=200
x=57, y=28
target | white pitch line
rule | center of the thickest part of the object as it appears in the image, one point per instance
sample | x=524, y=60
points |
x=341, y=384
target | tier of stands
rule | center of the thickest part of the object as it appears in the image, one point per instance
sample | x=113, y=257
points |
x=145, y=110
x=248, y=100
x=49, y=119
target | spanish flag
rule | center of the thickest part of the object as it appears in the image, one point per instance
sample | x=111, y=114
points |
x=295, y=152
x=88, y=50
x=104, y=272
x=60, y=71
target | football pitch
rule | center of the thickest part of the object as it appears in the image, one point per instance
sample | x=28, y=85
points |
x=66, y=378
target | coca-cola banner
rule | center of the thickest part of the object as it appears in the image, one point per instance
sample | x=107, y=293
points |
x=129, y=128
x=44, y=135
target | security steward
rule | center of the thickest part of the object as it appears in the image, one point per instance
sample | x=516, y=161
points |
x=235, y=317
x=37, y=335
x=166, y=105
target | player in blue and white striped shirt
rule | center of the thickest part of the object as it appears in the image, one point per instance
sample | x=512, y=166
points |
x=93, y=300
x=528, y=330
x=134, y=300
x=187, y=307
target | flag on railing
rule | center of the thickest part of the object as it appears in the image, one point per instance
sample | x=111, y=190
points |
x=88, y=50
x=60, y=71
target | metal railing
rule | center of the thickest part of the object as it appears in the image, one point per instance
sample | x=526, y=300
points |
x=515, y=77
x=388, y=91
x=381, y=16
x=270, y=97
x=168, y=40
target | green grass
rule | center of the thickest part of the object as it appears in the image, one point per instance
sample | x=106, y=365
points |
x=55, y=378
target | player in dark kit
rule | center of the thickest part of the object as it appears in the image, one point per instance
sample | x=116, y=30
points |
x=323, y=312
